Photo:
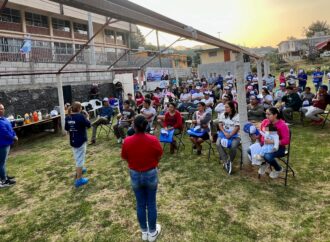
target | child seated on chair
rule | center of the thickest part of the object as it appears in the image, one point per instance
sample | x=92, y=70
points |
x=270, y=133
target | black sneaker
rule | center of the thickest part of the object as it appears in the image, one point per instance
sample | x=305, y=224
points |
x=10, y=182
x=3, y=184
x=10, y=177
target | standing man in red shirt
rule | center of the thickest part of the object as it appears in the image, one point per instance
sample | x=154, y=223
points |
x=143, y=152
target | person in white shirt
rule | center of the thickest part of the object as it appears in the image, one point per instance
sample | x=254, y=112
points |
x=197, y=96
x=209, y=102
x=328, y=76
x=219, y=109
x=185, y=100
x=229, y=126
x=229, y=78
x=280, y=93
x=148, y=112
x=267, y=98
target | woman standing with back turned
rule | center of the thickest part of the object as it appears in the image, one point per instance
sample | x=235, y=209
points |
x=143, y=152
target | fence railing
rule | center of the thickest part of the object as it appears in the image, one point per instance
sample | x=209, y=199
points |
x=47, y=52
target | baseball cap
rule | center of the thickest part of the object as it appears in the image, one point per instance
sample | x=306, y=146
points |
x=282, y=84
x=105, y=99
x=198, y=88
x=226, y=88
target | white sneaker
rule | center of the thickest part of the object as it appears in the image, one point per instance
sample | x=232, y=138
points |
x=274, y=174
x=263, y=168
x=153, y=236
x=144, y=236
x=119, y=141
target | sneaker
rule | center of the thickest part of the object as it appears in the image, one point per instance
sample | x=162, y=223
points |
x=10, y=177
x=92, y=142
x=84, y=170
x=263, y=168
x=144, y=236
x=274, y=174
x=3, y=184
x=199, y=152
x=80, y=182
x=119, y=141
x=153, y=236
x=229, y=166
x=10, y=182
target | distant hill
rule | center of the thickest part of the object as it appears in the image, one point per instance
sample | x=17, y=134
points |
x=261, y=51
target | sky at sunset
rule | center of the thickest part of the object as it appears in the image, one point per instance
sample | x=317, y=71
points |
x=250, y=23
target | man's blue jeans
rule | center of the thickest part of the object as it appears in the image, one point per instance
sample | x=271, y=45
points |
x=144, y=185
x=4, y=151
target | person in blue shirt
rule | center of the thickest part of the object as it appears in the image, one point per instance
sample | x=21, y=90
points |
x=219, y=82
x=249, y=78
x=76, y=124
x=106, y=113
x=302, y=78
x=7, y=138
x=317, y=78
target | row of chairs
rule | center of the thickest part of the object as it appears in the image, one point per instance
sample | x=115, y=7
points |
x=108, y=128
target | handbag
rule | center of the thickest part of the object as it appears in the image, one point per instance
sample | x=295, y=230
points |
x=166, y=136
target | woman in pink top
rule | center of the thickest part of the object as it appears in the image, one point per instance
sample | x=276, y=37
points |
x=273, y=117
x=282, y=78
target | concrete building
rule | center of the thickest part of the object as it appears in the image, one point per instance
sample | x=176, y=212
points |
x=294, y=50
x=56, y=33
x=170, y=60
x=218, y=61
x=215, y=55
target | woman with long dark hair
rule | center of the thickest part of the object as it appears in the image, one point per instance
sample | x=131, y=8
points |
x=202, y=119
x=173, y=120
x=139, y=98
x=273, y=117
x=143, y=152
x=228, y=135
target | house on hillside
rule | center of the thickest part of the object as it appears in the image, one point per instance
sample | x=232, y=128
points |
x=169, y=60
x=218, y=61
x=294, y=50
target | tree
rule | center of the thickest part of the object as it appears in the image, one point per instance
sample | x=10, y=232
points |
x=137, y=39
x=317, y=26
x=291, y=38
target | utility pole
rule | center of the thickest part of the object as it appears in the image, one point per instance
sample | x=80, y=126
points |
x=160, y=54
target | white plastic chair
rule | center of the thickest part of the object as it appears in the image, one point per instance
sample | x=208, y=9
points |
x=96, y=104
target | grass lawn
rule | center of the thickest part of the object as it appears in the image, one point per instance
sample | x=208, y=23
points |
x=197, y=201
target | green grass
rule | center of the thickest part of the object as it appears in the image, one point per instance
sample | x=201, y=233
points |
x=197, y=201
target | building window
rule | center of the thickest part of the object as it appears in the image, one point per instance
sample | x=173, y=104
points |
x=62, y=25
x=9, y=45
x=42, y=44
x=109, y=33
x=63, y=48
x=80, y=28
x=10, y=15
x=36, y=20
x=213, y=54
x=121, y=38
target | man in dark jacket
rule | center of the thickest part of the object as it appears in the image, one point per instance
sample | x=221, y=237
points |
x=7, y=138
x=292, y=103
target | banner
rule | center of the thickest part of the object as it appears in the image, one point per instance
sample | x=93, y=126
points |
x=157, y=75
